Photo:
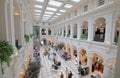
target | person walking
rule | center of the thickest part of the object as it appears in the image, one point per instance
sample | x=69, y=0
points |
x=70, y=75
x=66, y=72
x=61, y=76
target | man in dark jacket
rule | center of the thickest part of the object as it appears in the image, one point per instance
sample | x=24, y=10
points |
x=70, y=75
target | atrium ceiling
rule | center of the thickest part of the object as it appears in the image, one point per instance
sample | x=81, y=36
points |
x=49, y=10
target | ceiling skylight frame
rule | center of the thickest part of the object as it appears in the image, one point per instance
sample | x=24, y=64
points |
x=39, y=0
x=47, y=12
x=76, y=0
x=51, y=9
x=55, y=3
x=38, y=14
x=37, y=6
x=38, y=11
x=68, y=6
x=58, y=14
x=62, y=10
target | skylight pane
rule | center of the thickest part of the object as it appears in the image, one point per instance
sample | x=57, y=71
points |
x=46, y=12
x=76, y=0
x=39, y=0
x=51, y=9
x=37, y=10
x=55, y=3
x=37, y=14
x=47, y=15
x=38, y=6
x=68, y=6
x=58, y=14
x=55, y=16
x=62, y=10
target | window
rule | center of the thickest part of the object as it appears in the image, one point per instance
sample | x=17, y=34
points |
x=85, y=8
x=101, y=2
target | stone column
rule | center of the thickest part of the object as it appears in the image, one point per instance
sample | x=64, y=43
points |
x=3, y=21
x=90, y=29
x=66, y=31
x=117, y=65
x=108, y=29
x=78, y=54
x=47, y=31
x=71, y=29
x=62, y=31
x=22, y=20
x=79, y=30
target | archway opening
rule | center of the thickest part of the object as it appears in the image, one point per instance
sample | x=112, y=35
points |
x=97, y=63
x=99, y=29
x=43, y=31
x=83, y=57
x=74, y=53
x=49, y=31
x=84, y=34
x=68, y=33
x=117, y=30
x=17, y=26
x=64, y=31
x=75, y=31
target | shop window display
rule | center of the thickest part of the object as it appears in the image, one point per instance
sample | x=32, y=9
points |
x=117, y=30
x=99, y=27
x=97, y=66
x=83, y=57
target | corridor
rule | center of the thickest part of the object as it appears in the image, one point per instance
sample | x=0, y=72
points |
x=46, y=70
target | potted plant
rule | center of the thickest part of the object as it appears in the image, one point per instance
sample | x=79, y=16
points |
x=60, y=45
x=31, y=35
x=83, y=36
x=26, y=38
x=79, y=69
x=6, y=50
x=33, y=70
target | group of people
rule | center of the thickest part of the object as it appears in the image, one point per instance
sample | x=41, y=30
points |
x=68, y=74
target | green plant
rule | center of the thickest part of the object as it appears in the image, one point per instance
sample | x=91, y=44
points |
x=79, y=69
x=60, y=45
x=26, y=38
x=68, y=35
x=83, y=36
x=116, y=40
x=31, y=35
x=33, y=70
x=6, y=50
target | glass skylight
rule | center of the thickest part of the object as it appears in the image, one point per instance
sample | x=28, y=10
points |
x=45, y=15
x=58, y=14
x=76, y=0
x=46, y=12
x=51, y=9
x=68, y=6
x=55, y=16
x=37, y=10
x=38, y=6
x=39, y=0
x=55, y=3
x=37, y=14
x=62, y=10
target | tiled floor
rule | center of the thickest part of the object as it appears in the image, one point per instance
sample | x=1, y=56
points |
x=47, y=72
